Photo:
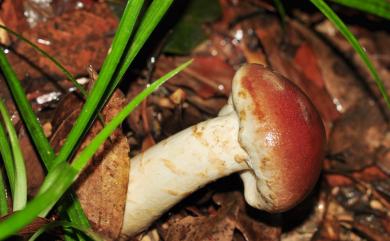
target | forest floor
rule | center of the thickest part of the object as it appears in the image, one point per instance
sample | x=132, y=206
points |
x=352, y=198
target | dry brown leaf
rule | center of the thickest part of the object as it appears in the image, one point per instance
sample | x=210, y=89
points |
x=305, y=220
x=253, y=225
x=373, y=40
x=232, y=221
x=12, y=14
x=102, y=186
x=357, y=137
x=201, y=229
x=341, y=81
x=217, y=227
x=77, y=39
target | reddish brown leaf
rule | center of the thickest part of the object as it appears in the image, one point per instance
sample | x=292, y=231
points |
x=306, y=59
x=340, y=80
x=218, y=227
x=12, y=14
x=253, y=226
x=357, y=136
x=102, y=186
x=77, y=39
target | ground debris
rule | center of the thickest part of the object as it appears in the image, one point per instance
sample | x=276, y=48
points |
x=352, y=198
x=102, y=186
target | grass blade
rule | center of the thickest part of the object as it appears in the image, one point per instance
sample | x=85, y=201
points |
x=282, y=12
x=380, y=8
x=30, y=119
x=3, y=196
x=20, y=189
x=152, y=17
x=64, y=178
x=73, y=210
x=35, y=130
x=15, y=222
x=82, y=159
x=6, y=154
x=65, y=224
x=54, y=60
x=120, y=41
x=121, y=38
x=331, y=15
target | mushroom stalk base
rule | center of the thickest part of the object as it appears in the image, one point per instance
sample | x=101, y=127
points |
x=171, y=170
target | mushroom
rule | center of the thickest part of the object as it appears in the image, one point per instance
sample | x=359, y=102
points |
x=269, y=132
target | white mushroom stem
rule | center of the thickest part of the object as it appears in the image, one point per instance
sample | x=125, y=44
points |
x=171, y=170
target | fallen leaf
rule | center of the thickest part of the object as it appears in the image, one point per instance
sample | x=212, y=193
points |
x=218, y=227
x=252, y=224
x=357, y=136
x=77, y=39
x=102, y=186
x=12, y=14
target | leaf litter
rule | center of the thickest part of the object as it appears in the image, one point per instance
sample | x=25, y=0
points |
x=351, y=200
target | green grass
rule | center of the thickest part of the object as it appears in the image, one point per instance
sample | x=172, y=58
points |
x=37, y=135
x=282, y=12
x=63, y=175
x=64, y=224
x=19, y=196
x=380, y=8
x=60, y=174
x=122, y=36
x=3, y=196
x=6, y=154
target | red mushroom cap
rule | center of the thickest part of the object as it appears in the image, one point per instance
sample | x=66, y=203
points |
x=282, y=133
